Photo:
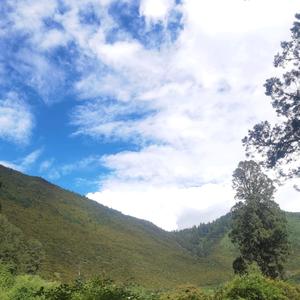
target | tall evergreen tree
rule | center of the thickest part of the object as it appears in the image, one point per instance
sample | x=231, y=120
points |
x=280, y=144
x=259, y=227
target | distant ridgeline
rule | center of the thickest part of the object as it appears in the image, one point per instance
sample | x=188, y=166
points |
x=201, y=239
x=67, y=234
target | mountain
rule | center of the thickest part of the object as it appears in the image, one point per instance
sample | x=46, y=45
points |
x=211, y=241
x=81, y=235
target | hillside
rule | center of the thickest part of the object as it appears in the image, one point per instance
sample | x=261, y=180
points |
x=211, y=241
x=80, y=235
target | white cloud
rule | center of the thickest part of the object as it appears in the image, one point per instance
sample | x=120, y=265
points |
x=288, y=197
x=234, y=16
x=156, y=10
x=200, y=97
x=23, y=164
x=53, y=38
x=53, y=171
x=29, y=15
x=164, y=206
x=46, y=78
x=11, y=165
x=46, y=165
x=16, y=119
x=185, y=104
x=31, y=158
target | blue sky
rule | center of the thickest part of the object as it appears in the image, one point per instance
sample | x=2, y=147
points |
x=43, y=82
x=141, y=105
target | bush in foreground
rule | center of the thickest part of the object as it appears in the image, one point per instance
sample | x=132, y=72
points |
x=21, y=287
x=185, y=293
x=255, y=286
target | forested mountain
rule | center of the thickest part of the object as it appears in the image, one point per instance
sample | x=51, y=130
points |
x=79, y=235
x=200, y=240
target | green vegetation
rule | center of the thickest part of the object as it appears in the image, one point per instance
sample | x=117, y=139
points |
x=21, y=287
x=253, y=286
x=80, y=235
x=259, y=227
x=22, y=256
x=200, y=240
x=279, y=145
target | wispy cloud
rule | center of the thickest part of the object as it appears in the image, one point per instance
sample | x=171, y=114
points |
x=55, y=171
x=25, y=163
x=16, y=119
x=31, y=158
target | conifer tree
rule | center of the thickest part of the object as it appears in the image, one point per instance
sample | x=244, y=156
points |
x=259, y=227
x=279, y=144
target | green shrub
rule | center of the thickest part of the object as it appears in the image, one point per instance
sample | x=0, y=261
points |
x=28, y=287
x=61, y=292
x=185, y=293
x=95, y=289
x=104, y=289
x=255, y=286
x=6, y=278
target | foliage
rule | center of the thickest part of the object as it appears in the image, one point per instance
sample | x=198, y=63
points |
x=22, y=256
x=96, y=289
x=80, y=235
x=201, y=239
x=6, y=277
x=185, y=293
x=280, y=145
x=21, y=287
x=259, y=227
x=255, y=286
x=250, y=183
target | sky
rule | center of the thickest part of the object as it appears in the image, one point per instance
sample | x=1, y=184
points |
x=140, y=105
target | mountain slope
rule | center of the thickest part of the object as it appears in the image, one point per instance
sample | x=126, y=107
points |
x=80, y=235
x=212, y=241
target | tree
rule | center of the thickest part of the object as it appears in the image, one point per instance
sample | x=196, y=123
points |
x=0, y=200
x=18, y=253
x=280, y=144
x=259, y=227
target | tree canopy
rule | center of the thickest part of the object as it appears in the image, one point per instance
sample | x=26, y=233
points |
x=280, y=144
x=258, y=225
x=20, y=254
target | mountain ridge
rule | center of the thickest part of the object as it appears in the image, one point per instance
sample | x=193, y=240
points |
x=82, y=236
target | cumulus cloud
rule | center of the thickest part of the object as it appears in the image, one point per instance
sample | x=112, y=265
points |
x=16, y=119
x=167, y=206
x=198, y=104
x=178, y=81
